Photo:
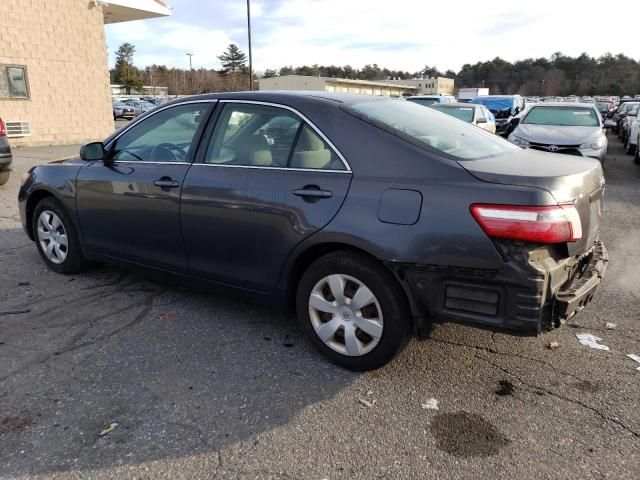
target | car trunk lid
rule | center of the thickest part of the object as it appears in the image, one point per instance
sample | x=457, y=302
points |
x=570, y=179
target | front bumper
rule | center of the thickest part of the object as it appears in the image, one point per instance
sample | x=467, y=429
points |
x=534, y=291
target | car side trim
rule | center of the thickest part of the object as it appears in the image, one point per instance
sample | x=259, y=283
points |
x=308, y=122
x=256, y=167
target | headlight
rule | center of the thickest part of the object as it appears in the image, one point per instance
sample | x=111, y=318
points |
x=597, y=145
x=521, y=142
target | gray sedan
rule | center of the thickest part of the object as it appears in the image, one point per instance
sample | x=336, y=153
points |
x=568, y=128
x=372, y=218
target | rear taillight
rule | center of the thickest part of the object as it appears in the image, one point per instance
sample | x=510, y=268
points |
x=549, y=224
x=3, y=129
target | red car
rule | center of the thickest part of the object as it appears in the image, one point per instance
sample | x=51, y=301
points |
x=5, y=155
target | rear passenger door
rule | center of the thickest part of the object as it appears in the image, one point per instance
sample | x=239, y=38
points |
x=264, y=180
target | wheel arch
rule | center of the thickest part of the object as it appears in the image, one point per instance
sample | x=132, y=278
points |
x=306, y=257
x=34, y=198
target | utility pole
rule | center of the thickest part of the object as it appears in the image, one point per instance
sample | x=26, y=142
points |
x=189, y=54
x=249, y=30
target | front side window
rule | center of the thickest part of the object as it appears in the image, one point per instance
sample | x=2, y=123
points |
x=13, y=82
x=254, y=135
x=562, y=117
x=166, y=136
x=427, y=129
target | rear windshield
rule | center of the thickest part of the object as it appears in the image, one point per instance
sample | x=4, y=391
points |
x=463, y=113
x=430, y=130
x=562, y=116
x=423, y=101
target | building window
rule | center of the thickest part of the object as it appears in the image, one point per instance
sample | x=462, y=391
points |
x=13, y=82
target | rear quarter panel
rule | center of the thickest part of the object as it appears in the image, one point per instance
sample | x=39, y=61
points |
x=445, y=233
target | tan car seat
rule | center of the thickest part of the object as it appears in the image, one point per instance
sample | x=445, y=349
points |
x=255, y=152
x=311, y=151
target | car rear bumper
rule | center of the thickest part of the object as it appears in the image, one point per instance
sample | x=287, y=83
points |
x=532, y=293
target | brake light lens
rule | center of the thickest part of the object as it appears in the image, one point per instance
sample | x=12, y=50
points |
x=548, y=224
x=3, y=129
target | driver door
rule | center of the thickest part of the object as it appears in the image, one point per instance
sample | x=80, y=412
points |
x=129, y=206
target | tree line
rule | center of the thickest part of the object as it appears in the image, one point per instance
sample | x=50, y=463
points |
x=558, y=75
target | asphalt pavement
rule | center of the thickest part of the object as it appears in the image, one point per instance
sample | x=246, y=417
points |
x=204, y=386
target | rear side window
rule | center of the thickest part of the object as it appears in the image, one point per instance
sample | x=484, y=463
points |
x=256, y=135
x=313, y=152
x=428, y=129
x=253, y=135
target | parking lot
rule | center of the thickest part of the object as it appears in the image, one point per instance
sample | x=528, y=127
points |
x=204, y=386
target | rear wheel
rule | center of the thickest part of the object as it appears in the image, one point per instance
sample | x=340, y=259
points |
x=353, y=310
x=4, y=177
x=56, y=237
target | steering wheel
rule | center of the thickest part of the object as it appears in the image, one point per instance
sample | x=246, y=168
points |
x=164, y=152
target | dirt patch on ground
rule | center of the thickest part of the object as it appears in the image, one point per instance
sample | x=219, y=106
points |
x=466, y=434
x=14, y=424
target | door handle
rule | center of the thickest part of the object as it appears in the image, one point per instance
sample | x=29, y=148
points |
x=312, y=193
x=166, y=182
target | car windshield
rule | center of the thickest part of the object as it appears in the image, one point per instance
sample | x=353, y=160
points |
x=427, y=102
x=562, y=116
x=428, y=129
x=463, y=113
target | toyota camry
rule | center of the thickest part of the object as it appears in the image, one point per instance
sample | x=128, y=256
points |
x=370, y=218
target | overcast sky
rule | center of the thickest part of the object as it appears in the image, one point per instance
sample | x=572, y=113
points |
x=398, y=34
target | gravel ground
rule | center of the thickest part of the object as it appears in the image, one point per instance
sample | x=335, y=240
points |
x=208, y=387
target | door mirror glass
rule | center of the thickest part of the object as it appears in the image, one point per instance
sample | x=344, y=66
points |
x=92, y=151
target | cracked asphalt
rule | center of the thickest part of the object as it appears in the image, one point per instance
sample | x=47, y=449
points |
x=204, y=386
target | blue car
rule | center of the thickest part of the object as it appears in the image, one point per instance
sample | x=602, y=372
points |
x=505, y=108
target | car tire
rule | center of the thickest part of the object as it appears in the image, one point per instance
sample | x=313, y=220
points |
x=636, y=157
x=383, y=314
x=52, y=226
x=4, y=177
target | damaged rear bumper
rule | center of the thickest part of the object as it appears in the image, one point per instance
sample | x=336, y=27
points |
x=537, y=289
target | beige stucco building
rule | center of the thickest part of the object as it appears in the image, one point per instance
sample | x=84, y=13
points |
x=327, y=84
x=54, y=76
x=389, y=88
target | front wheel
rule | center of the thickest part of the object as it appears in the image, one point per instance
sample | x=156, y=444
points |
x=56, y=237
x=353, y=311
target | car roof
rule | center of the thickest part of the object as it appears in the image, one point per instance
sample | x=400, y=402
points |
x=429, y=96
x=563, y=105
x=286, y=97
x=457, y=104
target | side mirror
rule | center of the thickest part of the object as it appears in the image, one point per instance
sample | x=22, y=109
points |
x=93, y=151
x=481, y=120
x=515, y=121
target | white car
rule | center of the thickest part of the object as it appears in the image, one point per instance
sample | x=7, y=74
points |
x=633, y=138
x=479, y=115
x=428, y=100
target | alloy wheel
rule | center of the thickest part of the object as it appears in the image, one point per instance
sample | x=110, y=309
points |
x=346, y=315
x=52, y=237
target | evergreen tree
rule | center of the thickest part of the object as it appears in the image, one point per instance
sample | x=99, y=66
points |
x=233, y=62
x=126, y=74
